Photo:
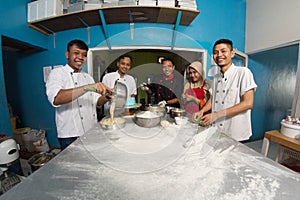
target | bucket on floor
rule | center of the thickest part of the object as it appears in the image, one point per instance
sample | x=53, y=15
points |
x=28, y=139
x=41, y=145
x=35, y=136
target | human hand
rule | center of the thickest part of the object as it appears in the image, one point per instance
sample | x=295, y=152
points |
x=208, y=119
x=144, y=87
x=197, y=116
x=162, y=103
x=102, y=89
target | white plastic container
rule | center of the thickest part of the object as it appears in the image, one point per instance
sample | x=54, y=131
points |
x=32, y=11
x=290, y=130
x=41, y=9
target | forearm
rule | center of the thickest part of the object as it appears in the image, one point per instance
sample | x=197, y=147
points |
x=172, y=101
x=234, y=110
x=68, y=95
x=207, y=107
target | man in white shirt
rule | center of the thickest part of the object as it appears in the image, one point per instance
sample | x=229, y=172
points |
x=68, y=90
x=232, y=95
x=124, y=65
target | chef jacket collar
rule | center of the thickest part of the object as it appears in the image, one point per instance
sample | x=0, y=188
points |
x=169, y=77
x=228, y=72
x=70, y=69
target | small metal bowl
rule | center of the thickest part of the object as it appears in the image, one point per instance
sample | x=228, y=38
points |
x=147, y=119
x=177, y=112
x=119, y=125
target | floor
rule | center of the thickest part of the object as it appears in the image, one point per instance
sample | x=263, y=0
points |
x=288, y=159
x=257, y=145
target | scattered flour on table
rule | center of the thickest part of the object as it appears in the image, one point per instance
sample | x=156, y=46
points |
x=219, y=174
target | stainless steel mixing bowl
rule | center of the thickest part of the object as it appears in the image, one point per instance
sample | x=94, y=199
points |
x=155, y=108
x=148, y=121
x=120, y=94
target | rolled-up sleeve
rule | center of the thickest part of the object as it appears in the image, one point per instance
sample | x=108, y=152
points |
x=54, y=84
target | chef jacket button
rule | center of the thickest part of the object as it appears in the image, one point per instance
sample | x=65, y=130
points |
x=225, y=79
x=221, y=124
x=219, y=81
x=75, y=83
x=223, y=91
x=80, y=106
x=217, y=91
x=216, y=101
x=222, y=102
x=81, y=118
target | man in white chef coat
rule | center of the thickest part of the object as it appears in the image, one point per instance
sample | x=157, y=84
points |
x=109, y=79
x=232, y=95
x=69, y=91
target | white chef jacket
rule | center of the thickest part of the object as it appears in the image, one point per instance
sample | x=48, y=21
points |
x=109, y=80
x=75, y=118
x=228, y=90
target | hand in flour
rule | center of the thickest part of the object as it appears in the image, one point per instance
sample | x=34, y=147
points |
x=206, y=119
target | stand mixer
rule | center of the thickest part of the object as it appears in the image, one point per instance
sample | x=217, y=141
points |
x=9, y=152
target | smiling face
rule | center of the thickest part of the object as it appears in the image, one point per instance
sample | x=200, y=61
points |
x=124, y=65
x=222, y=55
x=195, y=76
x=167, y=68
x=76, y=57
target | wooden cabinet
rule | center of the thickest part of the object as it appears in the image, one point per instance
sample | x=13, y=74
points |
x=112, y=15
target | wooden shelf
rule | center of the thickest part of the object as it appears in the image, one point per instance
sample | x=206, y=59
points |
x=112, y=15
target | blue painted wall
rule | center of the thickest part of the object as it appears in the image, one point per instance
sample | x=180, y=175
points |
x=217, y=19
x=13, y=24
x=275, y=74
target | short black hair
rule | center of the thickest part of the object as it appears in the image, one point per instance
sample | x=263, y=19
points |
x=79, y=43
x=167, y=59
x=125, y=56
x=224, y=41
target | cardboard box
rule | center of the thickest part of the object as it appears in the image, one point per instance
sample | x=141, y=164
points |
x=13, y=122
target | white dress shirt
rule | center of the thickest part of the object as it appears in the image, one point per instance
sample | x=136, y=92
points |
x=109, y=80
x=75, y=118
x=228, y=90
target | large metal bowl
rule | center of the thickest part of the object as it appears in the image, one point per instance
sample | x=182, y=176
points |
x=147, y=119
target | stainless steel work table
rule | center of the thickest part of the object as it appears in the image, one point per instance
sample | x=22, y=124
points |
x=158, y=163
